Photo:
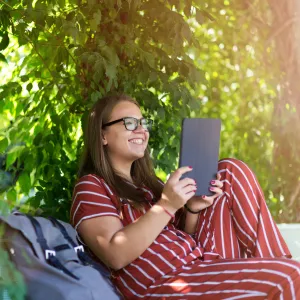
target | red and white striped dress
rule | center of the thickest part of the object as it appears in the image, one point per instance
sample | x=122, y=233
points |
x=235, y=253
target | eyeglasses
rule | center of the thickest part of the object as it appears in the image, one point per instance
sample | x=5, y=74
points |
x=132, y=123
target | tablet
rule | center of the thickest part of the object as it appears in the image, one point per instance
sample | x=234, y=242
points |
x=199, y=148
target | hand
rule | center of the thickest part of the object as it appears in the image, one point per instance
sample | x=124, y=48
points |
x=197, y=203
x=178, y=191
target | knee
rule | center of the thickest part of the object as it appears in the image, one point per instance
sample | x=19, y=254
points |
x=234, y=165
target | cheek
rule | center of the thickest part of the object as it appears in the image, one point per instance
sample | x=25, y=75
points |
x=147, y=136
x=118, y=139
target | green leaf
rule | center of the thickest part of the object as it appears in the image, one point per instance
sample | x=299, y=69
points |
x=38, y=138
x=111, y=55
x=37, y=74
x=24, y=78
x=11, y=158
x=62, y=56
x=4, y=41
x=3, y=145
x=70, y=29
x=41, y=84
x=5, y=21
x=25, y=182
x=12, y=195
x=2, y=58
x=29, y=87
x=150, y=59
x=16, y=147
x=110, y=71
x=95, y=96
x=96, y=20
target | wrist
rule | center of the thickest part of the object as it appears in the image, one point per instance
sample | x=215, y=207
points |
x=167, y=206
x=196, y=203
x=192, y=211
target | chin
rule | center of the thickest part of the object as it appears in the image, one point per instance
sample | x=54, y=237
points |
x=138, y=155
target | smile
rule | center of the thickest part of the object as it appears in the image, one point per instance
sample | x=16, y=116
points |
x=136, y=141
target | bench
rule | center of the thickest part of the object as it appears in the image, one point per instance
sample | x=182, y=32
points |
x=291, y=235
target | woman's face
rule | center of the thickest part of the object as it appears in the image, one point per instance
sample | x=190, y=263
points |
x=124, y=145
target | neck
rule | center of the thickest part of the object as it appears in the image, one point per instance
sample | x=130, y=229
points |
x=123, y=169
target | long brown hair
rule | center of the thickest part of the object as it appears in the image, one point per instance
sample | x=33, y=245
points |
x=95, y=159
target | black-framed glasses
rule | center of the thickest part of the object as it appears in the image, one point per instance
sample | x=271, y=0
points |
x=132, y=123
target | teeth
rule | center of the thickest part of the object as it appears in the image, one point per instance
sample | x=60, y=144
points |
x=136, y=141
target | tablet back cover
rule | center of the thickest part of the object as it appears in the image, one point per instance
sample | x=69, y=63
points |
x=200, y=141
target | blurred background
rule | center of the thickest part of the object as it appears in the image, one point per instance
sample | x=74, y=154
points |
x=234, y=60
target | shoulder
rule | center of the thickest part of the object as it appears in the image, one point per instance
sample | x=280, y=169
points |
x=93, y=181
x=91, y=197
x=90, y=179
x=91, y=186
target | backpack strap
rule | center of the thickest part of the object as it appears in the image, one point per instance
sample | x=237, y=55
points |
x=84, y=258
x=49, y=253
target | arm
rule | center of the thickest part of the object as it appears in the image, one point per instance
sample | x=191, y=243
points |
x=197, y=204
x=113, y=243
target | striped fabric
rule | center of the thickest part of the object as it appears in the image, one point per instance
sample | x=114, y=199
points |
x=235, y=253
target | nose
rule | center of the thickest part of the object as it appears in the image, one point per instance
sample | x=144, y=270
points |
x=140, y=128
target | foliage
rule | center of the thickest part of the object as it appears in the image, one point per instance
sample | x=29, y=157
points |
x=12, y=285
x=178, y=58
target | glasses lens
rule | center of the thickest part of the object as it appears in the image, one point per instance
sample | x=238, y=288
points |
x=147, y=124
x=130, y=123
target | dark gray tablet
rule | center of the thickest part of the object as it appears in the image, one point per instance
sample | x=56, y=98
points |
x=200, y=142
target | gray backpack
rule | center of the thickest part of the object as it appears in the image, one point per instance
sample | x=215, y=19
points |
x=53, y=264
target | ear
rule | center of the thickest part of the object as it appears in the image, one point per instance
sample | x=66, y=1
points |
x=104, y=140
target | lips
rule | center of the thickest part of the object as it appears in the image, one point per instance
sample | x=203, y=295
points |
x=137, y=141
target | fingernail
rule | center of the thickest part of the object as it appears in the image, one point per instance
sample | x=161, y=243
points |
x=211, y=189
x=213, y=182
x=203, y=196
x=195, y=190
x=190, y=167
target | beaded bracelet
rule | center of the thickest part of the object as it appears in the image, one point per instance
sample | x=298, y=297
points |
x=170, y=214
x=191, y=211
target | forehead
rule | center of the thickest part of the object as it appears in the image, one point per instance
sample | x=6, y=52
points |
x=126, y=109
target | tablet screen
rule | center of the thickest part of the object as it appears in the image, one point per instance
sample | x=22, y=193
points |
x=200, y=141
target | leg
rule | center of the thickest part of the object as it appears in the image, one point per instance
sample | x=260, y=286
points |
x=255, y=278
x=239, y=222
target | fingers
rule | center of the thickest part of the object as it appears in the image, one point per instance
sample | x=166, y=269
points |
x=175, y=176
x=189, y=190
x=217, y=183
x=216, y=190
x=210, y=198
x=186, y=181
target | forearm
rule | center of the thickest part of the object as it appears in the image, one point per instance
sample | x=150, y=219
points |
x=191, y=221
x=131, y=241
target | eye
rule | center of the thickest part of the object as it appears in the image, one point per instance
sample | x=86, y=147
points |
x=129, y=121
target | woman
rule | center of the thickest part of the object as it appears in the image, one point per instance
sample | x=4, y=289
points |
x=163, y=242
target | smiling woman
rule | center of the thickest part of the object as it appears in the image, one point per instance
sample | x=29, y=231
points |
x=125, y=141
x=115, y=150
x=137, y=226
